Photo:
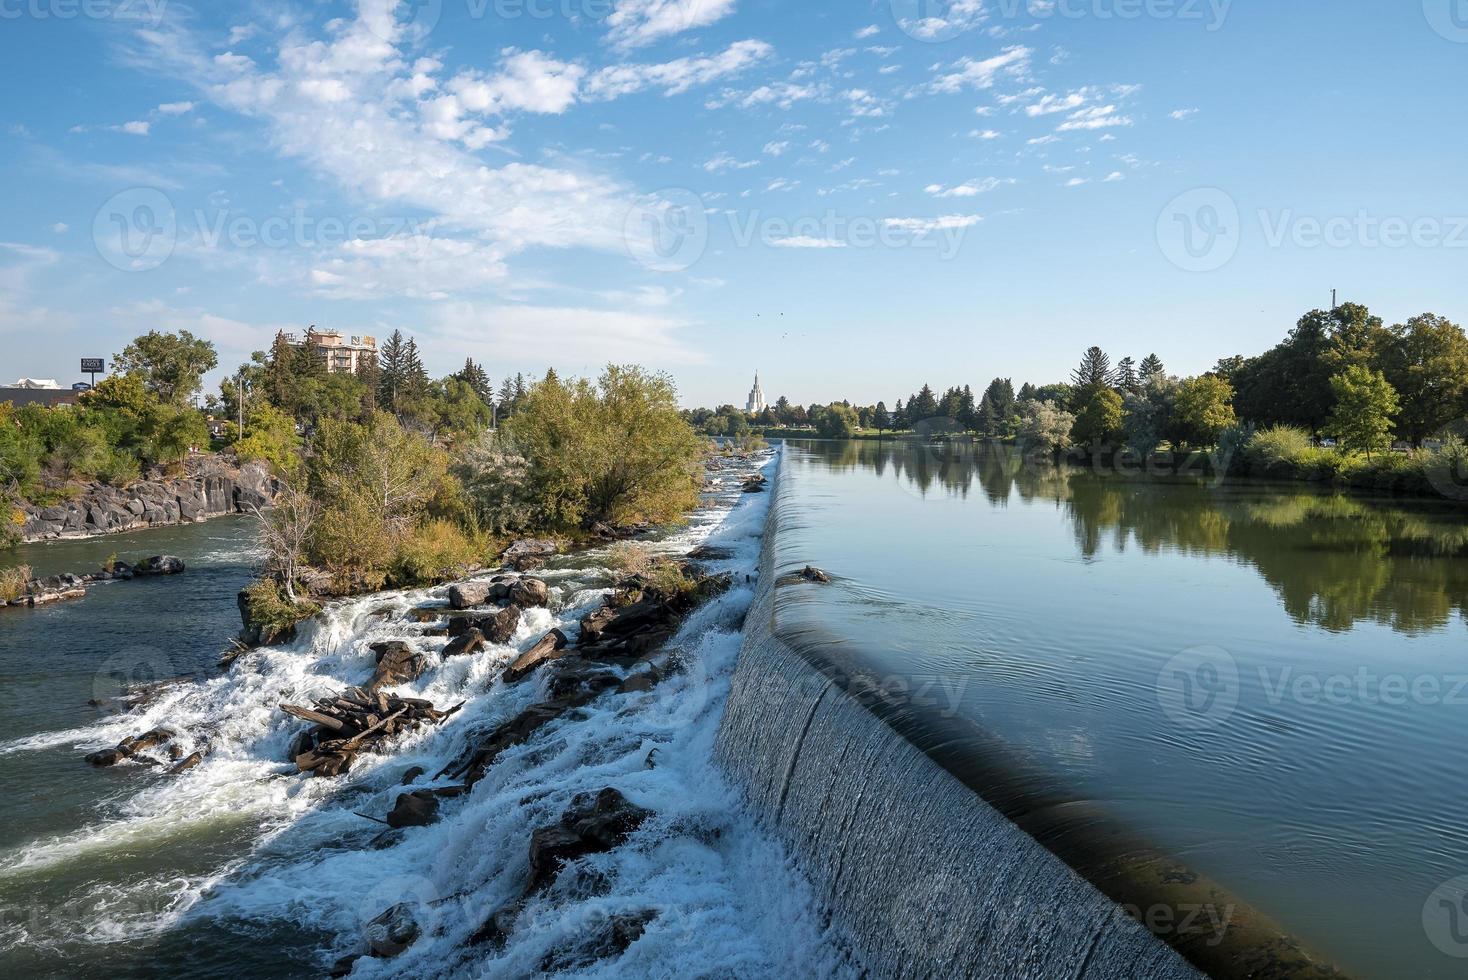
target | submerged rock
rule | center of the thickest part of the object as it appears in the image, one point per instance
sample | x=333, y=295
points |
x=468, y=643
x=592, y=825
x=392, y=932
x=159, y=565
x=812, y=574
x=544, y=651
x=416, y=809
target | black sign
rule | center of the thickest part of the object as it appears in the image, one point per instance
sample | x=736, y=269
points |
x=93, y=365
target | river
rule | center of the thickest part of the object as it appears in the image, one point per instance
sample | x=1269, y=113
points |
x=243, y=867
x=1266, y=683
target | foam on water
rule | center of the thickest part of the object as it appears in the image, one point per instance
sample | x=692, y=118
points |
x=275, y=850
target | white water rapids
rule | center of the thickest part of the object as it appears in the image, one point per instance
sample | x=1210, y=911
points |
x=244, y=849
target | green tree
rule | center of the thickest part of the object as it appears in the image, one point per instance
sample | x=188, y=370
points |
x=1093, y=372
x=922, y=406
x=1098, y=418
x=617, y=451
x=1045, y=424
x=1365, y=405
x=1426, y=361
x=170, y=365
x=881, y=421
x=1204, y=409
x=838, y=421
x=270, y=436
x=1151, y=370
x=998, y=409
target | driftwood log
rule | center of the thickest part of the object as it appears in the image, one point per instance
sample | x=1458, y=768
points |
x=352, y=722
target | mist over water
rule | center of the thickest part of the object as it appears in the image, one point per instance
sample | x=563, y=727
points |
x=242, y=866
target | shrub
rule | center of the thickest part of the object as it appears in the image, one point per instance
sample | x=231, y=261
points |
x=437, y=551
x=269, y=614
x=13, y=582
x=1275, y=449
x=119, y=469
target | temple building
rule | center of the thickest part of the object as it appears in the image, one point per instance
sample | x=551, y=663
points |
x=756, y=403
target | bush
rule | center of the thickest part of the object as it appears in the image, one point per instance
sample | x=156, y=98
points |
x=1277, y=449
x=435, y=552
x=13, y=582
x=119, y=469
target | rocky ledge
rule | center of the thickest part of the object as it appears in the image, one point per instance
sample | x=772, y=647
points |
x=67, y=585
x=211, y=486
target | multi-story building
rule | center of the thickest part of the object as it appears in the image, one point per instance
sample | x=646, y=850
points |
x=756, y=403
x=344, y=354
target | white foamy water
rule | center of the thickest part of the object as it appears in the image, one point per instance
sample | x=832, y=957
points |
x=244, y=847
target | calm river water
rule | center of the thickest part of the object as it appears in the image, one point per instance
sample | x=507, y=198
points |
x=1268, y=683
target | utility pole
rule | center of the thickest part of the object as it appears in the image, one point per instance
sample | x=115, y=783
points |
x=1333, y=303
x=240, y=432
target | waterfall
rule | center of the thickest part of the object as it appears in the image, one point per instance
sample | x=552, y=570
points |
x=921, y=875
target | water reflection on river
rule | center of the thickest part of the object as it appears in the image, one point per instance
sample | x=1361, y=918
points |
x=1268, y=681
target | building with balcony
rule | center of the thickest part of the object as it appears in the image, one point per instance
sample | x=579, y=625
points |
x=344, y=353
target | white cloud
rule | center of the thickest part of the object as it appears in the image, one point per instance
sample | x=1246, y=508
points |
x=780, y=94
x=675, y=77
x=176, y=108
x=782, y=184
x=972, y=188
x=924, y=226
x=724, y=162
x=634, y=23
x=138, y=127
x=866, y=32
x=1077, y=181
x=61, y=227
x=985, y=134
x=964, y=73
x=1096, y=117
x=1181, y=114
x=959, y=16
x=1114, y=176
x=776, y=149
x=806, y=241
x=547, y=334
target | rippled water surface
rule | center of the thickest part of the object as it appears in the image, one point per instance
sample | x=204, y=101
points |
x=1268, y=682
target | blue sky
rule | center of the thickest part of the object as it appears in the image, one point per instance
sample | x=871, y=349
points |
x=853, y=198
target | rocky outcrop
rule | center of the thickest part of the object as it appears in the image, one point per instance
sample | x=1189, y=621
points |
x=210, y=487
x=55, y=588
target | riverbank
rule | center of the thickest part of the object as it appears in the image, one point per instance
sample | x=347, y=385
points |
x=243, y=864
x=209, y=486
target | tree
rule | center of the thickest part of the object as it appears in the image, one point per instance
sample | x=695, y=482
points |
x=881, y=421
x=1126, y=376
x=457, y=408
x=1098, y=417
x=1093, y=372
x=170, y=365
x=1151, y=370
x=838, y=421
x=270, y=435
x=476, y=378
x=899, y=416
x=923, y=405
x=997, y=409
x=285, y=531
x=616, y=452
x=1045, y=424
x=1204, y=409
x=392, y=376
x=1426, y=361
x=1365, y=405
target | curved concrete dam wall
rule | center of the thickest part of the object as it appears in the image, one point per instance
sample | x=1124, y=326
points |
x=922, y=876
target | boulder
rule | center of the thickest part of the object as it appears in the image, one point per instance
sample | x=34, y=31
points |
x=592, y=825
x=549, y=648
x=470, y=642
x=468, y=594
x=397, y=663
x=500, y=628
x=392, y=932
x=159, y=565
x=528, y=593
x=812, y=574
x=529, y=553
x=416, y=809
x=106, y=757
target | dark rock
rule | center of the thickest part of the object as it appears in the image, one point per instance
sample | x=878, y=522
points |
x=610, y=938
x=159, y=565
x=397, y=663
x=500, y=627
x=416, y=809
x=529, y=593
x=187, y=764
x=594, y=623
x=392, y=932
x=812, y=574
x=549, y=647
x=592, y=825
x=498, y=927
x=411, y=776
x=470, y=642
x=105, y=757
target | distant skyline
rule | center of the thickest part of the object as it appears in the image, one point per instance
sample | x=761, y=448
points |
x=855, y=199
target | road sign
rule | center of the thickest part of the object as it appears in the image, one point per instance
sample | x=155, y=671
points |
x=93, y=365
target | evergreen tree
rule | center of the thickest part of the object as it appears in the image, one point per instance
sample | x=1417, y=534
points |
x=1027, y=392
x=310, y=358
x=923, y=405
x=369, y=372
x=1093, y=373
x=997, y=409
x=394, y=370
x=1126, y=375
x=280, y=373
x=507, y=399
x=880, y=419
x=1152, y=370
x=475, y=377
x=899, y=416
x=968, y=412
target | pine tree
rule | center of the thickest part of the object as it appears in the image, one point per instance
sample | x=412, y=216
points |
x=1126, y=375
x=393, y=359
x=1152, y=370
x=923, y=405
x=369, y=372
x=310, y=357
x=280, y=374
x=899, y=416
x=475, y=377
x=1094, y=371
x=1027, y=392
x=880, y=419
